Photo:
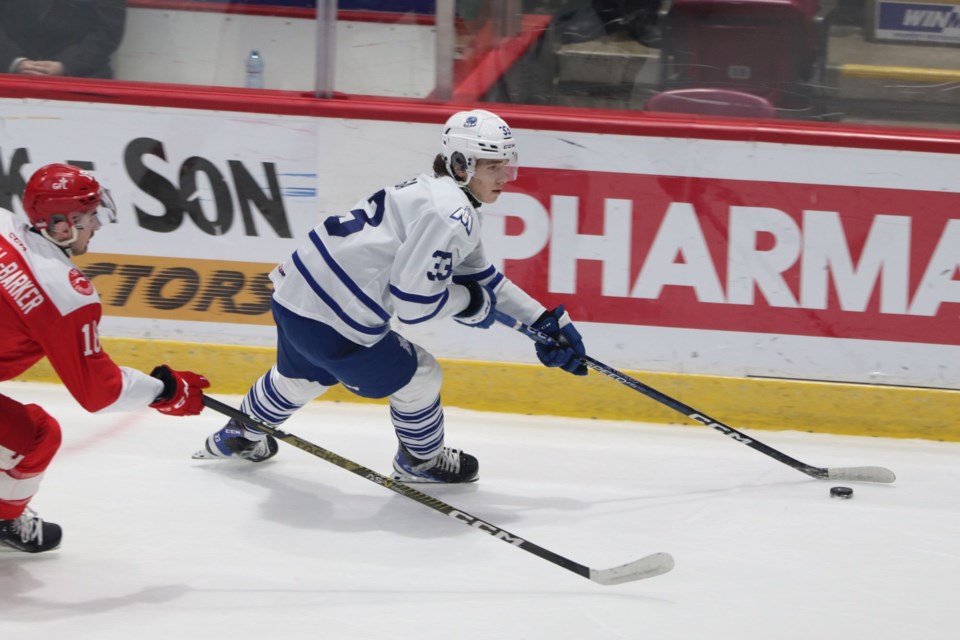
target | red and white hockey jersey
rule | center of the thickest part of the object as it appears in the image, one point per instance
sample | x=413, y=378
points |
x=49, y=308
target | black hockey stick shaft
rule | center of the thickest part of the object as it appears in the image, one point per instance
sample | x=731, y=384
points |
x=644, y=568
x=875, y=474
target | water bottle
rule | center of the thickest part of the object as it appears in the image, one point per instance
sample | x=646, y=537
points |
x=254, y=70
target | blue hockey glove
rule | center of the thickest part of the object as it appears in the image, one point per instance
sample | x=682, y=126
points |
x=569, y=349
x=479, y=313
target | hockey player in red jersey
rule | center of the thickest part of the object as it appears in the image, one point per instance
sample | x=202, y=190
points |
x=48, y=308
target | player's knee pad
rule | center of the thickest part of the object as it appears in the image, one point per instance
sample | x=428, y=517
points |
x=29, y=437
x=425, y=385
x=47, y=444
x=17, y=432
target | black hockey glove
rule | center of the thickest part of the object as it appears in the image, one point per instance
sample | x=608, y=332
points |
x=569, y=349
x=479, y=313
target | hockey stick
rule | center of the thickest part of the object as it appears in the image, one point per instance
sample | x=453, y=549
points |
x=864, y=474
x=646, y=567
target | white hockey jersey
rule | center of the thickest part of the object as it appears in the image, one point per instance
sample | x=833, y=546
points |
x=399, y=254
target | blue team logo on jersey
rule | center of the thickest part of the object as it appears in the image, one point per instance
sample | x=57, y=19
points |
x=471, y=121
x=464, y=217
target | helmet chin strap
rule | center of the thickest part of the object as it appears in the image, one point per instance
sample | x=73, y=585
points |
x=473, y=199
x=63, y=244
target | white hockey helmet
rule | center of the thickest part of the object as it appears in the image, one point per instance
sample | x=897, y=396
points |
x=474, y=135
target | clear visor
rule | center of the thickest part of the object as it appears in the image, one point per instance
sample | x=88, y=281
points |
x=106, y=211
x=507, y=168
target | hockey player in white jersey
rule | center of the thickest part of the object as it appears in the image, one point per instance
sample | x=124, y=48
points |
x=410, y=252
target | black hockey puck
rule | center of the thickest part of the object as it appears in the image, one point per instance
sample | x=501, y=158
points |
x=841, y=492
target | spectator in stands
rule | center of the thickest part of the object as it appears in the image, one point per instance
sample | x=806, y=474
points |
x=60, y=37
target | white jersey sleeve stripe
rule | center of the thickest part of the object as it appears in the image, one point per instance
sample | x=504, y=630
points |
x=475, y=277
x=346, y=279
x=331, y=303
x=480, y=277
x=413, y=297
x=443, y=301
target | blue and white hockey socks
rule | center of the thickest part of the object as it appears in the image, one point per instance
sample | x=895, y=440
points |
x=274, y=398
x=421, y=432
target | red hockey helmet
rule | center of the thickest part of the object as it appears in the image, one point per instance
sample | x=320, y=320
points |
x=62, y=193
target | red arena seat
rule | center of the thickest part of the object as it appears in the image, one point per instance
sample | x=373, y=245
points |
x=775, y=49
x=712, y=102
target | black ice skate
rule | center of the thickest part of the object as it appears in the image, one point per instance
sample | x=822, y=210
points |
x=29, y=533
x=234, y=441
x=450, y=465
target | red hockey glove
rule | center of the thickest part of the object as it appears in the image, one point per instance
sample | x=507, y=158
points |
x=182, y=395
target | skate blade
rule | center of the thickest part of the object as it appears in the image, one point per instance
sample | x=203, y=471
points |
x=203, y=454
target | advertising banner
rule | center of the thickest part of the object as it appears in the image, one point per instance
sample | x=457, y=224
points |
x=906, y=21
x=719, y=257
x=742, y=255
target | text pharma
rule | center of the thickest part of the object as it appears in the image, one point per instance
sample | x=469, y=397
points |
x=761, y=251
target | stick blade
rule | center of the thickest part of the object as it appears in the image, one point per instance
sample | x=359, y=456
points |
x=647, y=567
x=863, y=474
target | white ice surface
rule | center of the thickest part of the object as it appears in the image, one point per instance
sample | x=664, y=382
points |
x=158, y=546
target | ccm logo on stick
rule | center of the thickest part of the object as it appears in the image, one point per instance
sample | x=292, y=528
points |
x=725, y=430
x=477, y=523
